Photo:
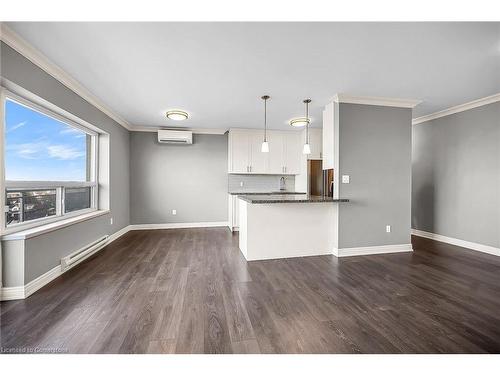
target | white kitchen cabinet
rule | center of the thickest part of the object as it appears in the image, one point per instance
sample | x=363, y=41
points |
x=284, y=152
x=244, y=152
x=258, y=160
x=328, y=135
x=245, y=156
x=233, y=214
x=293, y=151
x=276, y=152
x=316, y=143
x=238, y=152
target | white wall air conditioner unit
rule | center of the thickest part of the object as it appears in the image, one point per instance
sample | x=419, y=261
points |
x=183, y=137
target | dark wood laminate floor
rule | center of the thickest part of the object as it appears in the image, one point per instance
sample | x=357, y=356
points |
x=191, y=291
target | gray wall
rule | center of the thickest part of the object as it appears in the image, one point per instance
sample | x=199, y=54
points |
x=375, y=151
x=456, y=175
x=191, y=179
x=44, y=252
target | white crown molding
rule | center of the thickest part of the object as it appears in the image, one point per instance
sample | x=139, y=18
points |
x=372, y=250
x=457, y=242
x=375, y=100
x=458, y=108
x=154, y=129
x=24, y=48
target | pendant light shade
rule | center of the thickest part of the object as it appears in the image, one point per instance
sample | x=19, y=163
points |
x=307, y=148
x=265, y=144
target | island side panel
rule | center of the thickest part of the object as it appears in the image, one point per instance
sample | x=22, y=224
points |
x=243, y=229
x=287, y=230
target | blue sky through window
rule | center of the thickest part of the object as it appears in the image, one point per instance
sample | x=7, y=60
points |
x=40, y=148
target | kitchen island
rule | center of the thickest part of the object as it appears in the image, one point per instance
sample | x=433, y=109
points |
x=279, y=226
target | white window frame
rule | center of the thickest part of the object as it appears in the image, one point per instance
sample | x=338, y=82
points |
x=37, y=104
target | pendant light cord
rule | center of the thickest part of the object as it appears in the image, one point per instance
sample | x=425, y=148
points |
x=307, y=120
x=265, y=120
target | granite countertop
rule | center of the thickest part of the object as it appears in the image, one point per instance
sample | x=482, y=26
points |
x=275, y=198
x=264, y=192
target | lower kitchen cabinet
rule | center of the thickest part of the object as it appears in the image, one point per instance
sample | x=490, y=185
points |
x=233, y=214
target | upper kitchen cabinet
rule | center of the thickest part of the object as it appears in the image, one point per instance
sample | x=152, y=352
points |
x=238, y=152
x=245, y=156
x=258, y=160
x=292, y=152
x=276, y=152
x=329, y=115
x=315, y=142
x=284, y=152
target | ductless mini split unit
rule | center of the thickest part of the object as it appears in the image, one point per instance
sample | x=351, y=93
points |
x=180, y=137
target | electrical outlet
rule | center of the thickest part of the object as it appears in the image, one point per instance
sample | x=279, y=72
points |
x=241, y=183
x=174, y=212
x=345, y=179
x=388, y=228
x=111, y=221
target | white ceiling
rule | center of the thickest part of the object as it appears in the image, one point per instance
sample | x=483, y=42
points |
x=218, y=71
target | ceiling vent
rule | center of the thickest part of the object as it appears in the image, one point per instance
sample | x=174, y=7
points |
x=180, y=137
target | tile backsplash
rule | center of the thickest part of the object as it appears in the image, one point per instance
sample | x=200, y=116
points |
x=258, y=182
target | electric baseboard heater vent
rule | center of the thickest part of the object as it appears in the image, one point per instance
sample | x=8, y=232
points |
x=76, y=257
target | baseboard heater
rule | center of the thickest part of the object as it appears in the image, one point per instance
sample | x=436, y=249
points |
x=76, y=257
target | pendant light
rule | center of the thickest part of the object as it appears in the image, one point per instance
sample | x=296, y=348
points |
x=265, y=144
x=307, y=148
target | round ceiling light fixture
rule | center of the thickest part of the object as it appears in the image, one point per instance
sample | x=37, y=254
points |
x=299, y=122
x=177, y=115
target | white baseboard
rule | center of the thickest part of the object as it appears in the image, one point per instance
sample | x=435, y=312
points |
x=21, y=292
x=42, y=280
x=11, y=293
x=205, y=224
x=457, y=242
x=371, y=250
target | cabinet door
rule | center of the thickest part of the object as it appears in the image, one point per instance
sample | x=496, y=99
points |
x=258, y=159
x=315, y=143
x=240, y=153
x=293, y=152
x=276, y=152
x=328, y=133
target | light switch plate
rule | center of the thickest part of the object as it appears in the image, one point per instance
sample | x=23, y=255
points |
x=241, y=183
x=388, y=228
x=174, y=212
x=345, y=179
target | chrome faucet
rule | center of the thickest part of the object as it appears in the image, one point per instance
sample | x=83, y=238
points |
x=282, y=183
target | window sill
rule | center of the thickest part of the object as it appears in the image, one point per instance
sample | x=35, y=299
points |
x=42, y=229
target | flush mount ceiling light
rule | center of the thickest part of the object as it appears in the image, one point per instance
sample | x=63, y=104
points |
x=307, y=148
x=299, y=122
x=265, y=144
x=177, y=115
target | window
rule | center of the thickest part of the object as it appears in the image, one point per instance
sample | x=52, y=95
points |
x=50, y=165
